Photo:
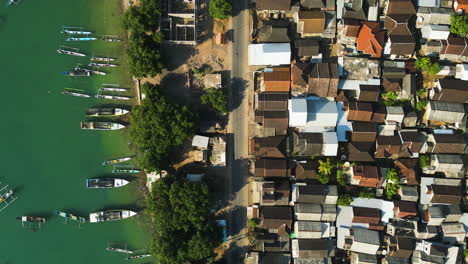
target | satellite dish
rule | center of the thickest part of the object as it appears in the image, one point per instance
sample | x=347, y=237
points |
x=346, y=164
x=460, y=12
x=419, y=19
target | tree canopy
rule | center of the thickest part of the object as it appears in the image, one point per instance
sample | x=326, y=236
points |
x=216, y=98
x=459, y=24
x=325, y=166
x=144, y=56
x=344, y=200
x=184, y=230
x=220, y=9
x=158, y=126
x=426, y=64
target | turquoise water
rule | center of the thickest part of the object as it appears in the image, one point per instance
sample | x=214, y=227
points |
x=45, y=156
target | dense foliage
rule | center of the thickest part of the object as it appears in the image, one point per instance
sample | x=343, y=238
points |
x=424, y=161
x=325, y=166
x=367, y=193
x=393, y=183
x=459, y=24
x=144, y=56
x=344, y=200
x=253, y=222
x=324, y=178
x=220, y=9
x=341, y=178
x=216, y=98
x=426, y=64
x=158, y=126
x=183, y=228
x=421, y=104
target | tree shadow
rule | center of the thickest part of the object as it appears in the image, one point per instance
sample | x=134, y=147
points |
x=237, y=92
x=238, y=6
x=175, y=56
x=175, y=87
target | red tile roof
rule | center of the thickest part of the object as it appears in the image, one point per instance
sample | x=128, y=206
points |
x=370, y=39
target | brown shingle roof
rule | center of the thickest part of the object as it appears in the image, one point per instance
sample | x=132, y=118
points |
x=314, y=21
x=454, y=143
x=278, y=80
x=272, y=101
x=360, y=151
x=446, y=194
x=366, y=215
x=359, y=111
x=273, y=217
x=269, y=147
x=299, y=75
x=368, y=93
x=267, y=167
x=401, y=7
x=307, y=170
x=283, y=5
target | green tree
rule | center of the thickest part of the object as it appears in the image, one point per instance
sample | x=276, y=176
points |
x=421, y=104
x=253, y=222
x=392, y=189
x=216, y=98
x=424, y=161
x=157, y=127
x=185, y=231
x=421, y=92
x=459, y=24
x=426, y=64
x=392, y=175
x=367, y=193
x=340, y=178
x=324, y=178
x=220, y=9
x=144, y=57
x=133, y=20
x=325, y=166
x=344, y=200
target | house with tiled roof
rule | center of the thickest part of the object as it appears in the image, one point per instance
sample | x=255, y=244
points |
x=361, y=151
x=400, y=43
x=445, y=112
x=323, y=79
x=270, y=34
x=275, y=122
x=276, y=80
x=274, y=193
x=300, y=78
x=274, y=217
x=315, y=194
x=405, y=209
x=310, y=22
x=408, y=171
x=269, y=147
x=306, y=170
x=313, y=230
x=370, y=39
x=400, y=247
x=311, y=249
x=452, y=165
x=445, y=143
x=272, y=168
x=366, y=176
x=271, y=101
x=307, y=47
x=450, y=90
x=387, y=146
x=363, y=132
x=360, y=111
x=359, y=240
x=366, y=10
x=273, y=5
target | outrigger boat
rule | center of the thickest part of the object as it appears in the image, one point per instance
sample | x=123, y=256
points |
x=105, y=183
x=110, y=215
x=112, y=89
x=114, y=161
x=80, y=39
x=112, y=97
x=138, y=256
x=31, y=219
x=119, y=250
x=102, y=64
x=71, y=216
x=125, y=169
x=74, y=31
x=72, y=53
x=102, y=59
x=95, y=72
x=111, y=40
x=101, y=126
x=73, y=93
x=78, y=72
x=106, y=112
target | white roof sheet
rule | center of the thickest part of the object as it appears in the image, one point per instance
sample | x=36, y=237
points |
x=345, y=218
x=429, y=3
x=321, y=113
x=270, y=54
x=200, y=141
x=331, y=144
x=425, y=198
x=297, y=112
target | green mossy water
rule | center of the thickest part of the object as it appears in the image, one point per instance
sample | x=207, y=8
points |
x=44, y=154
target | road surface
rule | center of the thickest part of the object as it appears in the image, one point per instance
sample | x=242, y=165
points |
x=237, y=152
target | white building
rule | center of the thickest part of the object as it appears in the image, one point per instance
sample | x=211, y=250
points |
x=270, y=54
x=435, y=32
x=462, y=72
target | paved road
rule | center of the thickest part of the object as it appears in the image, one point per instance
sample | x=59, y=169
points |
x=238, y=133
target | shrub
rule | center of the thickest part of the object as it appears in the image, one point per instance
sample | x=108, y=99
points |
x=344, y=200
x=324, y=179
x=421, y=92
x=325, y=166
x=425, y=64
x=340, y=178
x=216, y=98
x=220, y=9
x=421, y=104
x=253, y=222
x=369, y=193
x=392, y=189
x=392, y=175
x=424, y=161
x=459, y=24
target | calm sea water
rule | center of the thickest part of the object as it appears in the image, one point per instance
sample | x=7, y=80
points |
x=44, y=155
